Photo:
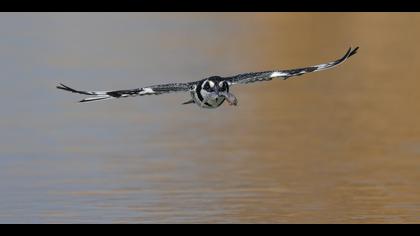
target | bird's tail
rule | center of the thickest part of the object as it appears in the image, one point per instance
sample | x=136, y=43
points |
x=96, y=95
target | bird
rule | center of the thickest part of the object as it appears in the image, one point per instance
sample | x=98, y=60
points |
x=210, y=92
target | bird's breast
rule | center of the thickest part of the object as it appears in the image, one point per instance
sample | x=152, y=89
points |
x=210, y=103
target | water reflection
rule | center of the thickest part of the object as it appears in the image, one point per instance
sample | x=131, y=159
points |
x=336, y=146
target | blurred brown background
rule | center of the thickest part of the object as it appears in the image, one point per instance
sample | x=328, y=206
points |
x=338, y=146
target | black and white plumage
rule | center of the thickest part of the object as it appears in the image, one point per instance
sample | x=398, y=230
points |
x=210, y=92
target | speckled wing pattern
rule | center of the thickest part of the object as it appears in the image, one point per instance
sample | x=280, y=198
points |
x=151, y=90
x=285, y=74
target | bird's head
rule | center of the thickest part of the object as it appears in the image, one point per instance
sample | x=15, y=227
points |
x=215, y=87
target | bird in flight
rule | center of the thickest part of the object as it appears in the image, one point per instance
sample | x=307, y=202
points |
x=210, y=92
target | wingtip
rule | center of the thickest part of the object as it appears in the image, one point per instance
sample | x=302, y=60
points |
x=68, y=89
x=92, y=99
x=61, y=86
x=354, y=51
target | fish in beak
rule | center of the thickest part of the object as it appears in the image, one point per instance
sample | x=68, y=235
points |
x=232, y=100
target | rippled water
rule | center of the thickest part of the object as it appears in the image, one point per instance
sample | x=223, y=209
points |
x=339, y=146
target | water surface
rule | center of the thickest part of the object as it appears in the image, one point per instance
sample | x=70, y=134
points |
x=339, y=146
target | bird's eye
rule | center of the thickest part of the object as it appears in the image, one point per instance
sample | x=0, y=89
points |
x=223, y=86
x=207, y=86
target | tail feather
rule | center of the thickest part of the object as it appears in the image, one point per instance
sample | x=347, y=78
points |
x=188, y=102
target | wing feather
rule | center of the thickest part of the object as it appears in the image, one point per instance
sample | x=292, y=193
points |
x=285, y=74
x=151, y=90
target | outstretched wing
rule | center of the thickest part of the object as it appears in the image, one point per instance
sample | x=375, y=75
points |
x=151, y=90
x=285, y=74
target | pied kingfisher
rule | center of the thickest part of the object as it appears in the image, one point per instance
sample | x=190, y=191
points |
x=210, y=92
